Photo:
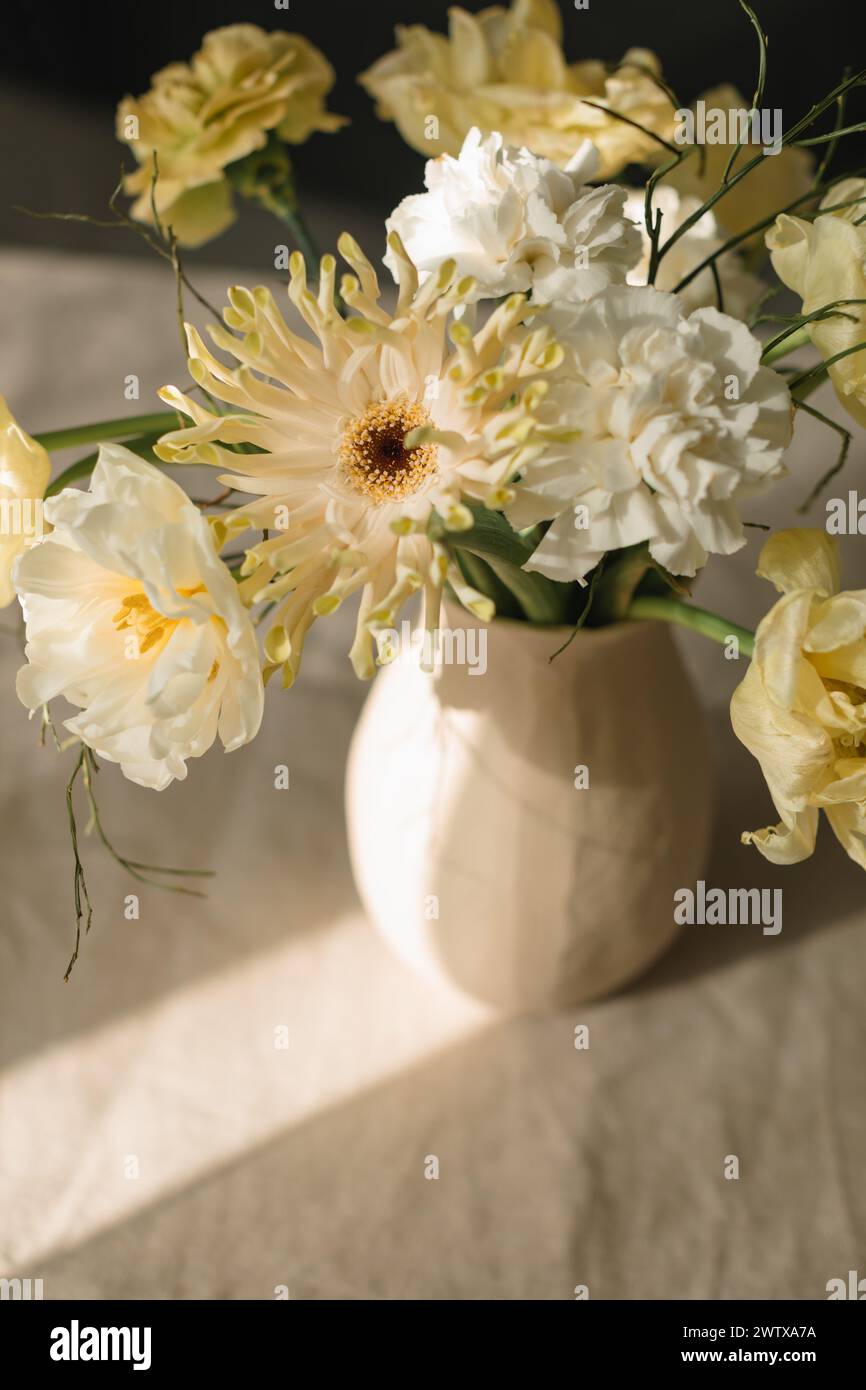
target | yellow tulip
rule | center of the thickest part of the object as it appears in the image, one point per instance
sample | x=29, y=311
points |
x=825, y=261
x=24, y=473
x=801, y=709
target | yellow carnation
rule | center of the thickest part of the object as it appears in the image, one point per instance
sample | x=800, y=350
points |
x=201, y=116
x=504, y=70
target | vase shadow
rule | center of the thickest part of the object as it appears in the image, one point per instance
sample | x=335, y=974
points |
x=815, y=893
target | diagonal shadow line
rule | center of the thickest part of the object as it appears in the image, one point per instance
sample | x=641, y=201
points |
x=815, y=894
x=543, y=1153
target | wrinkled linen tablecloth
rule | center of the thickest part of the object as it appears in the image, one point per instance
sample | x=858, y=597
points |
x=157, y=1142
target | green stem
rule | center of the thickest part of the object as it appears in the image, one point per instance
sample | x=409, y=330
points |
x=266, y=177
x=539, y=600
x=506, y=552
x=478, y=573
x=291, y=215
x=674, y=610
x=788, y=138
x=835, y=468
x=762, y=81
x=785, y=343
x=834, y=134
x=817, y=374
x=798, y=334
x=288, y=211
x=756, y=227
x=102, y=430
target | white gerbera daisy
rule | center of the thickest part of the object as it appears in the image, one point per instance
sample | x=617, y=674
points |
x=517, y=223
x=360, y=438
x=658, y=426
x=132, y=616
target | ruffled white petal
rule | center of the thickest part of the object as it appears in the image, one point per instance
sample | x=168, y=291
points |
x=147, y=704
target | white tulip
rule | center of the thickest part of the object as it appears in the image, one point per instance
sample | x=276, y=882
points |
x=132, y=616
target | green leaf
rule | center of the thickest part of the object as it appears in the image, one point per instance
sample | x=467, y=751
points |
x=492, y=538
x=623, y=573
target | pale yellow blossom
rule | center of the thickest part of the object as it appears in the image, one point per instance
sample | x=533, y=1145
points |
x=201, y=116
x=505, y=70
x=825, y=261
x=24, y=473
x=801, y=709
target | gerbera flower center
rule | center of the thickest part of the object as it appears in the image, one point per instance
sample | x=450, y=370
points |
x=374, y=456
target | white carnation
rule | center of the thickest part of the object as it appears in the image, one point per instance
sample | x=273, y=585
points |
x=518, y=223
x=132, y=616
x=740, y=290
x=658, y=425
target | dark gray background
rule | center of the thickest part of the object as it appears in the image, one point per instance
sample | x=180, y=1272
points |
x=65, y=66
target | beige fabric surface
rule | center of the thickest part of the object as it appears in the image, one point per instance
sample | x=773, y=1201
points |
x=304, y=1166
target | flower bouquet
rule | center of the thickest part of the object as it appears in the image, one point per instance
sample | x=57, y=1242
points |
x=562, y=400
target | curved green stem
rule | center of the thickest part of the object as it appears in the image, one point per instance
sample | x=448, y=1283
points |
x=815, y=375
x=797, y=334
x=266, y=177
x=784, y=343
x=788, y=138
x=539, y=600
x=101, y=430
x=756, y=227
x=290, y=213
x=492, y=539
x=674, y=610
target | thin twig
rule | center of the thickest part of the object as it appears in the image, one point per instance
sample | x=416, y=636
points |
x=840, y=460
x=618, y=116
x=80, y=894
x=132, y=866
x=798, y=321
x=740, y=237
x=831, y=147
x=822, y=367
x=788, y=138
x=584, y=614
x=762, y=79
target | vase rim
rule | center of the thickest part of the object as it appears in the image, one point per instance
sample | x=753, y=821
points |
x=622, y=629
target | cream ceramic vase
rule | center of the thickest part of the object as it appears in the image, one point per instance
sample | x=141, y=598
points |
x=521, y=833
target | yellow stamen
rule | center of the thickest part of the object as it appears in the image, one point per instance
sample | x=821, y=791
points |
x=150, y=627
x=155, y=635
